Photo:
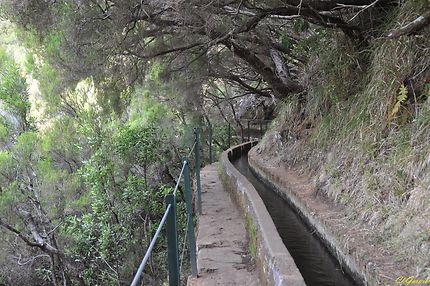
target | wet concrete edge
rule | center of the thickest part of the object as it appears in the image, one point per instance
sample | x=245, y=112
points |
x=274, y=262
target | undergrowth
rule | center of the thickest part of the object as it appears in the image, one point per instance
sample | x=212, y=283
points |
x=363, y=132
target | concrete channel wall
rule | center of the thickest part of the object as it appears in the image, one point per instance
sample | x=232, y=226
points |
x=274, y=262
x=329, y=240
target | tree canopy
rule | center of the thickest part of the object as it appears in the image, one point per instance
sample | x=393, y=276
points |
x=121, y=83
x=251, y=45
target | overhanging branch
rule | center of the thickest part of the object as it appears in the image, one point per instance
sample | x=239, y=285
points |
x=414, y=26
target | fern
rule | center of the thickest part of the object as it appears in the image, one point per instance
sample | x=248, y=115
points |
x=401, y=98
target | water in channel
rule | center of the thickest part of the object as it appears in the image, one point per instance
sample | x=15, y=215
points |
x=316, y=264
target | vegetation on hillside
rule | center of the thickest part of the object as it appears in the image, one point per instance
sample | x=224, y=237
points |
x=363, y=135
x=122, y=83
x=82, y=189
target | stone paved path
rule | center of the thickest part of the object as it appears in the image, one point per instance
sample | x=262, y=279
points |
x=222, y=256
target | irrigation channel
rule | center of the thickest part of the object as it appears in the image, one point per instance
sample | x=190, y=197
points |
x=317, y=266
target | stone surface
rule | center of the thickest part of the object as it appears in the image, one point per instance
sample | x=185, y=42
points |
x=274, y=263
x=222, y=256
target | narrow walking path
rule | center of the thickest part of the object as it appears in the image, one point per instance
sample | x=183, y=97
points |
x=222, y=243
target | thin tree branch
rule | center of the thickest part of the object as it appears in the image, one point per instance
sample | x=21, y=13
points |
x=414, y=26
x=18, y=233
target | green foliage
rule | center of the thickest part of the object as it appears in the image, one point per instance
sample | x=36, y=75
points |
x=155, y=71
x=147, y=110
x=423, y=118
x=112, y=227
x=13, y=87
x=285, y=42
x=300, y=25
x=63, y=138
x=39, y=62
x=29, y=63
x=426, y=91
x=49, y=82
x=220, y=138
x=9, y=195
x=376, y=167
x=4, y=132
x=27, y=144
x=101, y=236
x=315, y=43
x=26, y=163
x=53, y=43
x=118, y=209
x=138, y=143
x=45, y=273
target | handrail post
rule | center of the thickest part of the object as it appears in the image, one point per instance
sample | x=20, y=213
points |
x=190, y=233
x=172, y=241
x=197, y=166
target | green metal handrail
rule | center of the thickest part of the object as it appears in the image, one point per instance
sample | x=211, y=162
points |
x=261, y=126
x=169, y=218
x=151, y=246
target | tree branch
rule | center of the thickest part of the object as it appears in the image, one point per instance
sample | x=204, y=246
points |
x=414, y=26
x=18, y=233
x=281, y=69
x=237, y=79
x=165, y=52
x=279, y=88
x=40, y=242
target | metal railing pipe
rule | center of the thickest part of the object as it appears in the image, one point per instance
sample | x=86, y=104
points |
x=151, y=246
x=169, y=217
x=179, y=179
x=190, y=233
x=172, y=242
x=197, y=169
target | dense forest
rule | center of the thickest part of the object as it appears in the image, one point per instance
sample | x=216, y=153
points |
x=98, y=101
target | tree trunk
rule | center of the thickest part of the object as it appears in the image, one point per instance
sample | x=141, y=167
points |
x=279, y=88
